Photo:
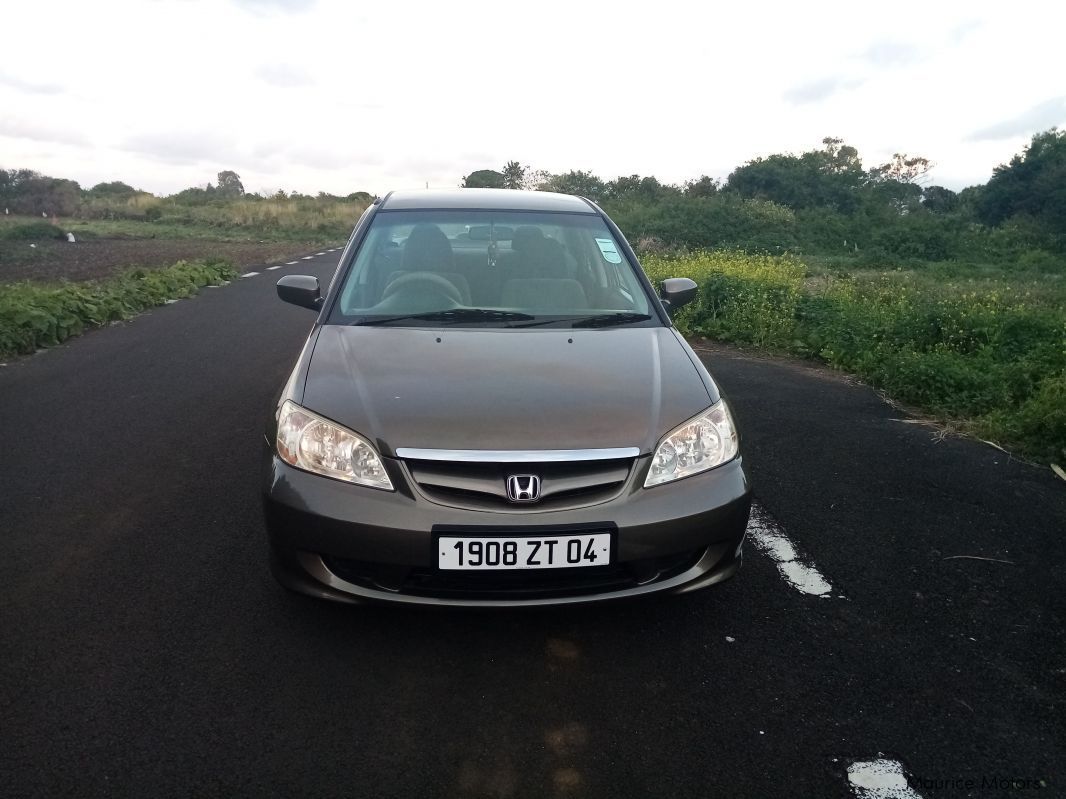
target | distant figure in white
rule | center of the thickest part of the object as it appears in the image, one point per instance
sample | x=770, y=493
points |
x=70, y=238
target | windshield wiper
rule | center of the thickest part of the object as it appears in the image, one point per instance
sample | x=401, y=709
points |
x=610, y=319
x=452, y=316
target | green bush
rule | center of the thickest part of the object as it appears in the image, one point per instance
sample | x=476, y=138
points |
x=1038, y=426
x=34, y=315
x=993, y=361
x=30, y=231
x=919, y=236
x=741, y=298
x=721, y=222
x=1042, y=261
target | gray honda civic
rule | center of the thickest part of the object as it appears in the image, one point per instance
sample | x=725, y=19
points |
x=493, y=408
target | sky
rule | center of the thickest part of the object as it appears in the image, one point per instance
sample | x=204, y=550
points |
x=336, y=96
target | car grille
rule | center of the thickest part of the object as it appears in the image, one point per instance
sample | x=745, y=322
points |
x=483, y=486
x=513, y=585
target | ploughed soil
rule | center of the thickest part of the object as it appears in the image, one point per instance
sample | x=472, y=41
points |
x=99, y=258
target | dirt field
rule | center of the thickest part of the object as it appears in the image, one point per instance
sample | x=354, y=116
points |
x=98, y=258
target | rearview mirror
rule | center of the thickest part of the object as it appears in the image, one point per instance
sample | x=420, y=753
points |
x=302, y=290
x=676, y=292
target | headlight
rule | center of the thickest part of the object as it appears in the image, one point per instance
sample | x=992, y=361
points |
x=699, y=444
x=311, y=443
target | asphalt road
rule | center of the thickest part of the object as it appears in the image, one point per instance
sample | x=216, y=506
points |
x=146, y=651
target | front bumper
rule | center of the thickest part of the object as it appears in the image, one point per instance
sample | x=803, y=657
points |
x=349, y=543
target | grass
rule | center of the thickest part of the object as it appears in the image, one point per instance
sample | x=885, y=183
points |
x=35, y=315
x=238, y=221
x=164, y=229
x=985, y=352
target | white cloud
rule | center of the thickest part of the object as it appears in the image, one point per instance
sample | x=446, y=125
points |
x=338, y=96
x=183, y=146
x=265, y=6
x=1040, y=117
x=822, y=89
x=34, y=131
x=284, y=76
x=964, y=29
x=888, y=53
x=29, y=86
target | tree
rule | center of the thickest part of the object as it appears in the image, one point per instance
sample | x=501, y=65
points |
x=483, y=179
x=894, y=196
x=939, y=200
x=229, y=185
x=194, y=195
x=635, y=187
x=583, y=184
x=115, y=189
x=826, y=178
x=13, y=183
x=514, y=175
x=839, y=158
x=1032, y=185
x=24, y=191
x=902, y=168
x=703, y=186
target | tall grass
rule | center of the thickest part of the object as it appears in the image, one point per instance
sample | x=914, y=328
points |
x=290, y=216
x=276, y=218
x=991, y=360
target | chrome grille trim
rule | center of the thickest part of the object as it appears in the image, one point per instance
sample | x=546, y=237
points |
x=516, y=456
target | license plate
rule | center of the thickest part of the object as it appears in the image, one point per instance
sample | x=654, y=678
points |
x=535, y=552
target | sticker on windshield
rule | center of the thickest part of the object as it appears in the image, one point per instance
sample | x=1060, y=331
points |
x=610, y=252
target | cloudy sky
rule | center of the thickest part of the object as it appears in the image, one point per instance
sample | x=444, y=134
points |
x=343, y=96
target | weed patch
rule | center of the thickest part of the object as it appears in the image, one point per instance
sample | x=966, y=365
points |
x=35, y=315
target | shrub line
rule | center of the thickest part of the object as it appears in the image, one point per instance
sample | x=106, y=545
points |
x=36, y=315
x=993, y=364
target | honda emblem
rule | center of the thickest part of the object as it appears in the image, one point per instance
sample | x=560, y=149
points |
x=523, y=488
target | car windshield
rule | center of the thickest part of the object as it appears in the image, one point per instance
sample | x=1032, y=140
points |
x=491, y=269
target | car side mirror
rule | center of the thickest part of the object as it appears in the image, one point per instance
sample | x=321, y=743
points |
x=676, y=292
x=302, y=290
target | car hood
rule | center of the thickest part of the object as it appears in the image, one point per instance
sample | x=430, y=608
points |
x=505, y=389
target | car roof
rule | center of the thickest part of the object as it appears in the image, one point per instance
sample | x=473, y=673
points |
x=485, y=199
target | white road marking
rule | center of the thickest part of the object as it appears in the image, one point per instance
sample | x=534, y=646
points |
x=880, y=779
x=249, y=274
x=307, y=258
x=289, y=263
x=798, y=572
x=272, y=268
x=318, y=254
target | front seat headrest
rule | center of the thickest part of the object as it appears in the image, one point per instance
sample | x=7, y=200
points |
x=427, y=249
